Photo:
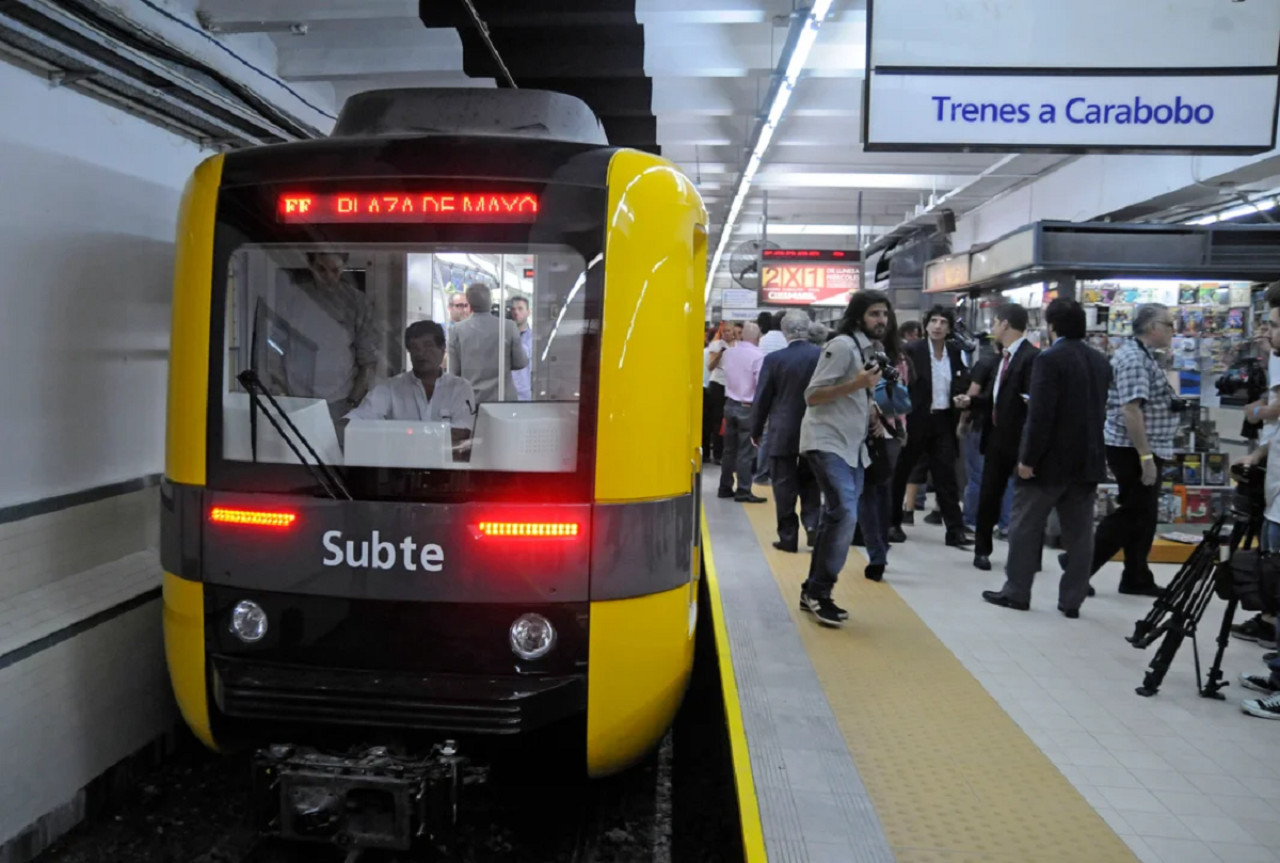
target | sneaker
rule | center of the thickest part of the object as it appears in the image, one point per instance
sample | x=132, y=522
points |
x=1255, y=629
x=830, y=614
x=811, y=605
x=1259, y=683
x=1270, y=657
x=1263, y=708
x=807, y=604
x=1001, y=534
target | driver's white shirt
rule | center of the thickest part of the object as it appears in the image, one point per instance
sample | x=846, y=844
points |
x=403, y=398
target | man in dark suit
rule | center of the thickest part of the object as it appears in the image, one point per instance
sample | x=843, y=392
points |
x=1001, y=412
x=1062, y=460
x=938, y=375
x=780, y=403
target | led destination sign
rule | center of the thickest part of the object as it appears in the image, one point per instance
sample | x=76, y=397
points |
x=406, y=206
x=808, y=255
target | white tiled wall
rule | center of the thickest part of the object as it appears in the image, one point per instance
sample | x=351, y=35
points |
x=72, y=710
x=36, y=552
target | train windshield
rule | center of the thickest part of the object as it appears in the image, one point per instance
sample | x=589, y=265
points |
x=406, y=356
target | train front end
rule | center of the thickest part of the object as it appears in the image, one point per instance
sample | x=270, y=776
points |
x=372, y=561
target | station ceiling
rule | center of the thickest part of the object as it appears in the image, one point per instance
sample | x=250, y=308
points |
x=684, y=78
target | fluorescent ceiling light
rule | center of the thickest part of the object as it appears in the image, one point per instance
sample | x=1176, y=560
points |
x=816, y=230
x=839, y=180
x=799, y=56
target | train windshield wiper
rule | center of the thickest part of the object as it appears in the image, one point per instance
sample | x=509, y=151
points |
x=326, y=476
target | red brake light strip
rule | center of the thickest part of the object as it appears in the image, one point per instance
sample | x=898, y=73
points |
x=251, y=517
x=528, y=529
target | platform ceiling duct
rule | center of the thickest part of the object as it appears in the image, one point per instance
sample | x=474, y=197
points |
x=592, y=49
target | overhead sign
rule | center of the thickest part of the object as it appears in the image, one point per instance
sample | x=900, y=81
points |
x=1072, y=76
x=946, y=273
x=738, y=298
x=809, y=255
x=809, y=283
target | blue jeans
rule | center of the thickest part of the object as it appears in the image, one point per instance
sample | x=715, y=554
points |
x=875, y=509
x=973, y=461
x=841, y=486
x=1270, y=541
x=973, y=470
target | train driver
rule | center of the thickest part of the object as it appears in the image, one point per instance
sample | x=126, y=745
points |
x=426, y=392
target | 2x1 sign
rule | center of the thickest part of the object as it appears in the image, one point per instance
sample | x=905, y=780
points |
x=808, y=284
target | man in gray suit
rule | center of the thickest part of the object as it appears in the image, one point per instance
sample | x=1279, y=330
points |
x=1061, y=462
x=485, y=348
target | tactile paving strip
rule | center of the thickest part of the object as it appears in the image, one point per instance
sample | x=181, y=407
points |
x=813, y=806
x=951, y=776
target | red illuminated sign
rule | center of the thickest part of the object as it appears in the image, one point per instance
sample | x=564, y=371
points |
x=806, y=284
x=808, y=254
x=407, y=206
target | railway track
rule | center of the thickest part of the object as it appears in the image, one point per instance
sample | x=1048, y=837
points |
x=621, y=819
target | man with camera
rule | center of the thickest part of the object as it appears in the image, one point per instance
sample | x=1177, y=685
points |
x=1142, y=417
x=833, y=438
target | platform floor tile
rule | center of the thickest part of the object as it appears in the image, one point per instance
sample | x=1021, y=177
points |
x=952, y=776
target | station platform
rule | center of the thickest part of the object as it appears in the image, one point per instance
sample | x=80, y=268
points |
x=936, y=728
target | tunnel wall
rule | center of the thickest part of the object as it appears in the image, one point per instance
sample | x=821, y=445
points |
x=88, y=202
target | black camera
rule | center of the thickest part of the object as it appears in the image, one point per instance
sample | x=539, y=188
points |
x=963, y=339
x=880, y=360
x=1177, y=405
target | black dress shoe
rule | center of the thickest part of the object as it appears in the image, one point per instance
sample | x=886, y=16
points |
x=1069, y=613
x=982, y=562
x=896, y=534
x=959, y=540
x=1142, y=590
x=785, y=546
x=908, y=516
x=995, y=597
x=934, y=517
x=747, y=498
x=874, y=571
x=724, y=494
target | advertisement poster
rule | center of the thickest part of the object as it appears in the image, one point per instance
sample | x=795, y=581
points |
x=810, y=283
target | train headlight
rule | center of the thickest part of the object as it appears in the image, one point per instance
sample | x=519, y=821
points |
x=532, y=636
x=248, y=621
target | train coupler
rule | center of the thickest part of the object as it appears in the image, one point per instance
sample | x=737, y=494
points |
x=365, y=798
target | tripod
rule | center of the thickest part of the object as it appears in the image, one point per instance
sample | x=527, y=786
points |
x=1176, y=615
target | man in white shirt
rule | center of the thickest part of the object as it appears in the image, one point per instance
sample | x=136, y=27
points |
x=523, y=377
x=426, y=392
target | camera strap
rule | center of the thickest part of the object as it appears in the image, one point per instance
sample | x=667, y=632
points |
x=1168, y=388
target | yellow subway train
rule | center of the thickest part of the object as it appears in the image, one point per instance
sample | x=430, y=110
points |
x=432, y=454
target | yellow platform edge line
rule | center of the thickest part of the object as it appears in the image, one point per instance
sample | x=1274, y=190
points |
x=748, y=803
